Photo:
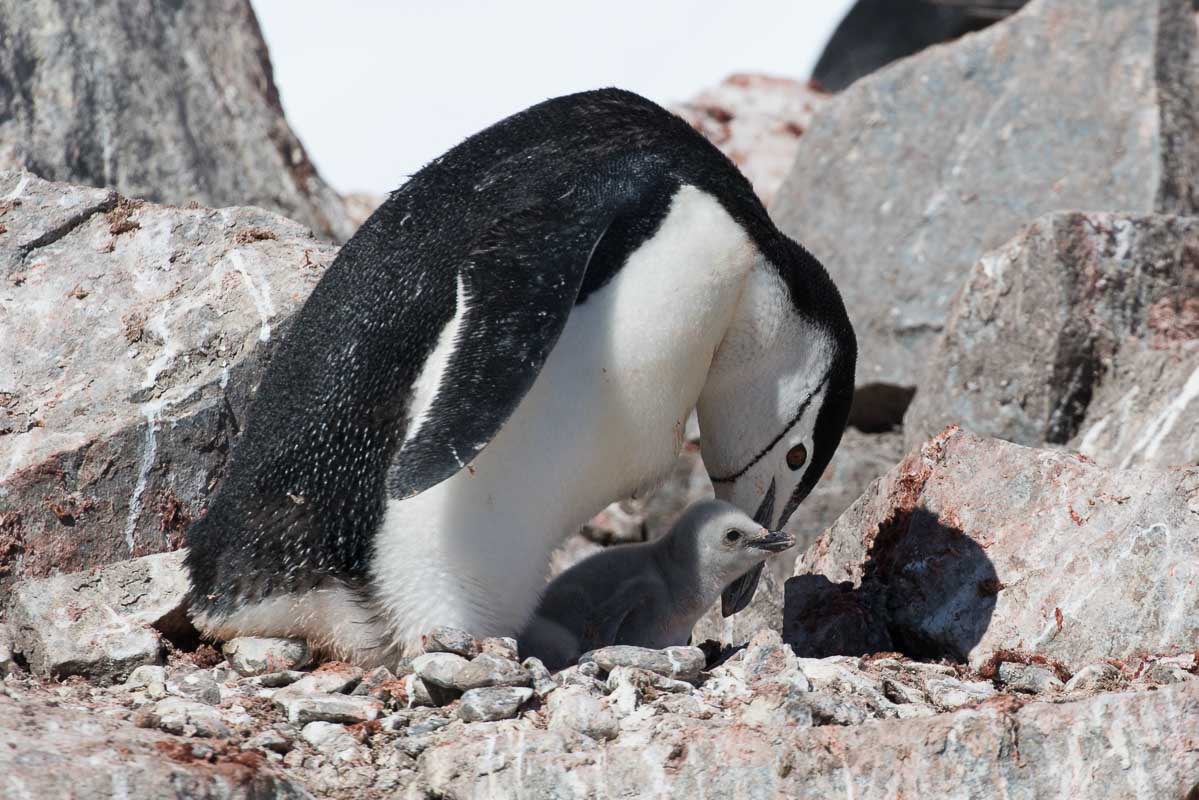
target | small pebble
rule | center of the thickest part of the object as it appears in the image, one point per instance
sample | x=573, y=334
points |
x=501, y=646
x=683, y=663
x=251, y=655
x=1029, y=678
x=488, y=669
x=1095, y=677
x=439, y=669
x=543, y=681
x=332, y=708
x=491, y=703
x=444, y=639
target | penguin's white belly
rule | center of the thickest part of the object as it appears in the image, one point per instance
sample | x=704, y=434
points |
x=604, y=417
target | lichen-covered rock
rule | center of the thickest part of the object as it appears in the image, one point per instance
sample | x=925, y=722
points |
x=1083, y=330
x=181, y=107
x=439, y=669
x=971, y=546
x=250, y=655
x=906, y=178
x=1030, y=678
x=138, y=333
x=99, y=624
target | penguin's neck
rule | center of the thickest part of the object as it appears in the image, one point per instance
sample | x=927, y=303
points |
x=604, y=418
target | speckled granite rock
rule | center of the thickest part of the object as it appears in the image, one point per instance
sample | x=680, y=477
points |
x=140, y=332
x=1083, y=331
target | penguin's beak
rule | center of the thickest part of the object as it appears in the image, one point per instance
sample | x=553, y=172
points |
x=772, y=541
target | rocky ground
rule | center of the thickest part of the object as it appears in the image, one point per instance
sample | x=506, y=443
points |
x=468, y=719
x=996, y=590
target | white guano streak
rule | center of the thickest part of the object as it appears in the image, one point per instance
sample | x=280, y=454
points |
x=261, y=295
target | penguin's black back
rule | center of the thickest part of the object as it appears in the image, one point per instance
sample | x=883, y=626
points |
x=308, y=481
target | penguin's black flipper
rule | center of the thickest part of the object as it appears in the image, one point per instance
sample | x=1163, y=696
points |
x=516, y=290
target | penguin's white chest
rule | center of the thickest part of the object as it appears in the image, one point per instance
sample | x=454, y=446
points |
x=604, y=417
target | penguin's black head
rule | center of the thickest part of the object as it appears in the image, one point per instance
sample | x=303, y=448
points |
x=780, y=388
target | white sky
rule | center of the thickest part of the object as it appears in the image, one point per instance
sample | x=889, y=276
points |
x=376, y=89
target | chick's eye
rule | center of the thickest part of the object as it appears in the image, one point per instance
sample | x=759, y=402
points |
x=797, y=456
x=732, y=535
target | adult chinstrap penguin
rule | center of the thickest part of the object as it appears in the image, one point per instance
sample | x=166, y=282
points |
x=649, y=594
x=514, y=339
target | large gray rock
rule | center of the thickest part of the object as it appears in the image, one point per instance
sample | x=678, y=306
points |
x=1116, y=745
x=971, y=546
x=904, y=180
x=134, y=336
x=1084, y=331
x=71, y=752
x=179, y=107
x=99, y=624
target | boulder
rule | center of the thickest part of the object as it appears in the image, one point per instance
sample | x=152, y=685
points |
x=905, y=179
x=973, y=546
x=138, y=334
x=755, y=120
x=1082, y=331
x=180, y=107
x=99, y=624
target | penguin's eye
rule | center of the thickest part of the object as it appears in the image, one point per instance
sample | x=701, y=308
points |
x=731, y=535
x=797, y=456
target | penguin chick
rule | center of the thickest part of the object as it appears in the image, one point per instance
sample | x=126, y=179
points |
x=651, y=594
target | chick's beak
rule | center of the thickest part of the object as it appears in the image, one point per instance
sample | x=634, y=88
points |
x=772, y=541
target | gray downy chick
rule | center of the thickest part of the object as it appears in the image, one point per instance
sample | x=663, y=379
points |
x=651, y=594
